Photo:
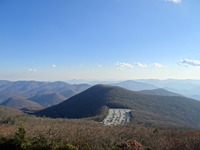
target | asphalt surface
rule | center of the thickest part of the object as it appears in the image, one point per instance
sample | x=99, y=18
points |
x=117, y=117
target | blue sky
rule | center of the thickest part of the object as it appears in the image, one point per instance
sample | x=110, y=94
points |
x=99, y=39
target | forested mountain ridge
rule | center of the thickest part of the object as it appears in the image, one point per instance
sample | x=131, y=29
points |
x=47, y=100
x=180, y=111
x=19, y=103
x=28, y=89
x=160, y=91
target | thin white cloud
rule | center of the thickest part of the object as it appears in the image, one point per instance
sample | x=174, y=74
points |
x=99, y=66
x=174, y=1
x=141, y=65
x=123, y=65
x=53, y=66
x=189, y=62
x=32, y=70
x=158, y=65
x=81, y=65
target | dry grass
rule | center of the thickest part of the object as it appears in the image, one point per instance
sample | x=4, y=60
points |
x=88, y=134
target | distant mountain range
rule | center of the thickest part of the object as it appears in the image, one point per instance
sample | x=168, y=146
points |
x=151, y=105
x=29, y=89
x=47, y=100
x=149, y=110
x=19, y=103
x=161, y=92
x=135, y=85
x=188, y=87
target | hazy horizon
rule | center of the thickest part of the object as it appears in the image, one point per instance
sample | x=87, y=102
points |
x=80, y=81
x=47, y=40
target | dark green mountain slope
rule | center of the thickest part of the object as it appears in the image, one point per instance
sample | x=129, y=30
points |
x=177, y=111
x=48, y=99
x=160, y=91
x=19, y=103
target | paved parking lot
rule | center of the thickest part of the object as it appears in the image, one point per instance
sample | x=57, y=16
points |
x=117, y=117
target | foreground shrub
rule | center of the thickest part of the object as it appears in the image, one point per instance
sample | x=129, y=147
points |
x=20, y=142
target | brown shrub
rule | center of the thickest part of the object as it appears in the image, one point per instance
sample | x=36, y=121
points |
x=130, y=145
